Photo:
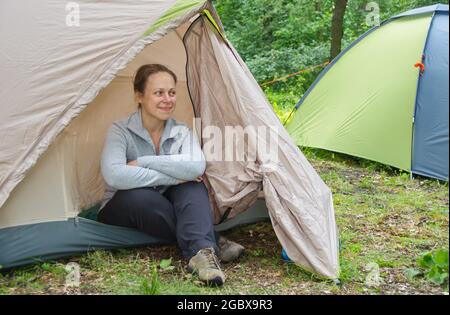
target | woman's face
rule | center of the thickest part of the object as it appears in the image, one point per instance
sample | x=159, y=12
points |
x=159, y=98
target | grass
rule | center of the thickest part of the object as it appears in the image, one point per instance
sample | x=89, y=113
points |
x=383, y=217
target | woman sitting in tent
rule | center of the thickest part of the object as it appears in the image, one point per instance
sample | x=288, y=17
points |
x=153, y=167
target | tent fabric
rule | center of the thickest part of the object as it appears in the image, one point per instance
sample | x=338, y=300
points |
x=368, y=100
x=423, y=10
x=430, y=146
x=77, y=85
x=181, y=7
x=26, y=244
x=299, y=203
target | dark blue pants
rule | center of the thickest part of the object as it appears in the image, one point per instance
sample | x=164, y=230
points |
x=182, y=214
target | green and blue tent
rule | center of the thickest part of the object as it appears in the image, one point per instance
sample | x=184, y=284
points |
x=385, y=97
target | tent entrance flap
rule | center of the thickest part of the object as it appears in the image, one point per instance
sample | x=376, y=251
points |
x=225, y=94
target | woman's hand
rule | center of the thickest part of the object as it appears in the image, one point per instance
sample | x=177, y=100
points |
x=132, y=163
x=198, y=180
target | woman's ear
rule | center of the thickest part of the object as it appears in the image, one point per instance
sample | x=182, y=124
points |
x=138, y=97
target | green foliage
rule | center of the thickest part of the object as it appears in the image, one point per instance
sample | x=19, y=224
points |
x=151, y=288
x=154, y=287
x=280, y=37
x=412, y=272
x=45, y=266
x=166, y=264
x=435, y=266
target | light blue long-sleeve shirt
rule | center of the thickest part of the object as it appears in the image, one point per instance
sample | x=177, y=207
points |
x=180, y=156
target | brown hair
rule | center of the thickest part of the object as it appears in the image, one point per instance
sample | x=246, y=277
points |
x=144, y=71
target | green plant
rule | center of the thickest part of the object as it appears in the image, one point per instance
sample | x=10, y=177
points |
x=151, y=288
x=434, y=266
x=166, y=265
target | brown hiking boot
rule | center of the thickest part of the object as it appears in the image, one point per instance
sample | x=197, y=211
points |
x=206, y=264
x=229, y=250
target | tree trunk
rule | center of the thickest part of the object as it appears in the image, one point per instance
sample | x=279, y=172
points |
x=337, y=28
x=318, y=6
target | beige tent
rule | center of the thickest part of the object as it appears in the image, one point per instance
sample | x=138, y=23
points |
x=66, y=75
